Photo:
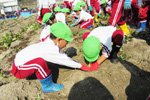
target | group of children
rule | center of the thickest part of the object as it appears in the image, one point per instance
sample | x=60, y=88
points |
x=97, y=44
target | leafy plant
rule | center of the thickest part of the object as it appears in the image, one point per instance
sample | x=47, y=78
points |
x=81, y=33
x=123, y=56
x=7, y=39
x=128, y=37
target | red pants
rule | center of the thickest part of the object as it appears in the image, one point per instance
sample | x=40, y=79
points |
x=85, y=24
x=36, y=66
x=117, y=36
x=96, y=5
x=115, y=16
x=43, y=11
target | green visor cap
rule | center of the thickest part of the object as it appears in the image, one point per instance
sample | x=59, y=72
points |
x=91, y=48
x=76, y=8
x=57, y=9
x=65, y=10
x=79, y=3
x=61, y=30
x=46, y=17
x=83, y=4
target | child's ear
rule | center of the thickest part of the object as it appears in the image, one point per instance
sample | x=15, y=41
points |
x=50, y=22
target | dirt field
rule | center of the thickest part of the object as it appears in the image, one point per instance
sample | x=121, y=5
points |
x=127, y=80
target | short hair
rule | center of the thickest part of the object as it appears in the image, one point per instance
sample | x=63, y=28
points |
x=53, y=37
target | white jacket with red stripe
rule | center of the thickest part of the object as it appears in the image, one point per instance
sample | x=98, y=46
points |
x=104, y=34
x=46, y=50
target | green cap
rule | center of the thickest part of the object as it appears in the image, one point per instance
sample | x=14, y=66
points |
x=46, y=17
x=103, y=1
x=91, y=48
x=57, y=9
x=61, y=30
x=83, y=4
x=78, y=3
x=65, y=10
x=76, y=8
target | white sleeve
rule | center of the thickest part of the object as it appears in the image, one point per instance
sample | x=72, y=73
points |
x=63, y=59
x=79, y=19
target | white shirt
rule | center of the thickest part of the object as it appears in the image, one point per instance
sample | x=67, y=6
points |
x=83, y=16
x=52, y=2
x=60, y=17
x=104, y=34
x=43, y=4
x=46, y=50
x=45, y=32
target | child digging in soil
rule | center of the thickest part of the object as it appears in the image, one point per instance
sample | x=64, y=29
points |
x=49, y=19
x=100, y=39
x=84, y=18
x=32, y=59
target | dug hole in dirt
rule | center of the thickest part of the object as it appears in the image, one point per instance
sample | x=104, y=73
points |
x=127, y=80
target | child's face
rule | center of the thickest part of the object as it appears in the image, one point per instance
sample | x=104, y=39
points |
x=62, y=43
x=77, y=12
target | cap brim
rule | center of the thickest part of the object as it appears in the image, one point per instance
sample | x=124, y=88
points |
x=91, y=59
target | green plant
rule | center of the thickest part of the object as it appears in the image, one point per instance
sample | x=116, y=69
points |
x=74, y=33
x=128, y=37
x=81, y=33
x=7, y=39
x=39, y=97
x=123, y=56
x=36, y=26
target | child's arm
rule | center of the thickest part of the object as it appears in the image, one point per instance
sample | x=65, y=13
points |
x=101, y=59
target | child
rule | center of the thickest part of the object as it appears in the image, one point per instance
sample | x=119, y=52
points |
x=32, y=59
x=100, y=39
x=144, y=13
x=43, y=7
x=61, y=17
x=49, y=19
x=85, y=18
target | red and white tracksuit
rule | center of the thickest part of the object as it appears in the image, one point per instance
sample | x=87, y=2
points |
x=43, y=6
x=85, y=18
x=116, y=13
x=32, y=60
x=94, y=3
x=106, y=35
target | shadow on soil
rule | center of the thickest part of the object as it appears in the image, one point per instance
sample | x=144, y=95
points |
x=139, y=87
x=145, y=35
x=89, y=89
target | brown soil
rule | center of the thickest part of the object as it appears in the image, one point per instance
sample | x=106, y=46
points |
x=127, y=80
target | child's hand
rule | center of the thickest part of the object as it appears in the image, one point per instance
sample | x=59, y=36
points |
x=84, y=67
x=93, y=66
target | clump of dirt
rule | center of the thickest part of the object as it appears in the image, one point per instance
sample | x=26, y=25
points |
x=128, y=79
